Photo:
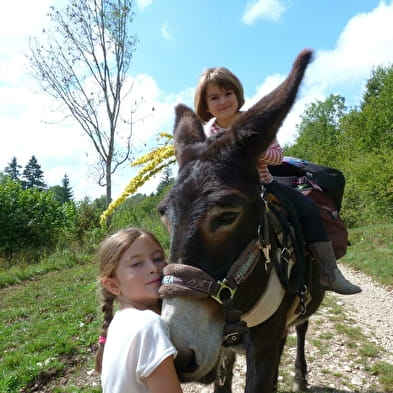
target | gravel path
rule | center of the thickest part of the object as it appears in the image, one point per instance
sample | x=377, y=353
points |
x=337, y=367
x=372, y=308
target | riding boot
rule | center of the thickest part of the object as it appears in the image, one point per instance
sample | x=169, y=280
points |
x=331, y=276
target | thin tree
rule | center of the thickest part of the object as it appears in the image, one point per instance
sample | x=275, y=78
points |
x=68, y=194
x=82, y=62
x=33, y=175
x=12, y=169
x=166, y=179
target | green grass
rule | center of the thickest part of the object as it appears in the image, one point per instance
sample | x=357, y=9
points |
x=50, y=318
x=56, y=262
x=385, y=374
x=45, y=323
x=370, y=252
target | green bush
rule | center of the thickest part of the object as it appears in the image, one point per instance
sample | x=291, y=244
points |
x=369, y=188
x=87, y=217
x=141, y=211
x=30, y=220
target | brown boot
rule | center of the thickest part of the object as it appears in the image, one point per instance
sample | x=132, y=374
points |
x=331, y=276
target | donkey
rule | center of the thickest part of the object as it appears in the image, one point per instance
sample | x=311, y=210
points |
x=221, y=290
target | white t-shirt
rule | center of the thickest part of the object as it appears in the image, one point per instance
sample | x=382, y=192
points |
x=137, y=342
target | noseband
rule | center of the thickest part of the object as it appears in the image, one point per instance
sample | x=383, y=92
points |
x=185, y=280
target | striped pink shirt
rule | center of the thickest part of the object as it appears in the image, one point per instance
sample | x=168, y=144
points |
x=272, y=156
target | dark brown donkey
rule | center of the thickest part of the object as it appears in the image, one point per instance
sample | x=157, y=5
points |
x=224, y=254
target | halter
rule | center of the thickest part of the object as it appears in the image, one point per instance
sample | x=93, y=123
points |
x=185, y=280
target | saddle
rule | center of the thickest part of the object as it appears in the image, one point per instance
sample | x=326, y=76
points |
x=325, y=185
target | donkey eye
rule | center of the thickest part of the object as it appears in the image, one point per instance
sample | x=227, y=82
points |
x=224, y=219
x=162, y=208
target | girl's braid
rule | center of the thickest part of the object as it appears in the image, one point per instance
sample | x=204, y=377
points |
x=107, y=309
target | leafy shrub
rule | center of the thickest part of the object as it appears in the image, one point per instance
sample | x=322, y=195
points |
x=141, y=211
x=369, y=188
x=30, y=220
x=87, y=217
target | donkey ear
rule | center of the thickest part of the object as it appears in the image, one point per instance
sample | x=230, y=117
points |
x=187, y=132
x=256, y=128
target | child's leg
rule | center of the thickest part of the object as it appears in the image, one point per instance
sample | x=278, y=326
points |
x=317, y=239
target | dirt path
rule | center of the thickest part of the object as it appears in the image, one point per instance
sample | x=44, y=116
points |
x=372, y=309
x=333, y=365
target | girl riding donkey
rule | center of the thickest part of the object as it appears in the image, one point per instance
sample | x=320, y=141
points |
x=219, y=94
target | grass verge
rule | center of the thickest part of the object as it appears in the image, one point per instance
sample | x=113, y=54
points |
x=45, y=324
x=57, y=262
x=371, y=252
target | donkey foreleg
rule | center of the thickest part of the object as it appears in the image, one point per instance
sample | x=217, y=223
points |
x=263, y=355
x=300, y=381
x=282, y=345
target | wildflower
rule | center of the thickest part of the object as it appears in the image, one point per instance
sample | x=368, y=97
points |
x=154, y=161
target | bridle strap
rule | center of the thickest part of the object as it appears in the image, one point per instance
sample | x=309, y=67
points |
x=185, y=280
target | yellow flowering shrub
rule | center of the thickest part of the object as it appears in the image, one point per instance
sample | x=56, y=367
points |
x=154, y=161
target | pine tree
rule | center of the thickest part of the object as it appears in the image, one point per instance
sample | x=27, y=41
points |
x=166, y=179
x=12, y=170
x=33, y=176
x=68, y=194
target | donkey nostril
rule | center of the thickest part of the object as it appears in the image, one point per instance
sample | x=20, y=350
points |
x=185, y=362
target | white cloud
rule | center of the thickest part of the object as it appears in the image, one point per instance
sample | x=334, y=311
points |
x=142, y=4
x=150, y=124
x=365, y=42
x=26, y=13
x=154, y=122
x=62, y=147
x=167, y=32
x=270, y=83
x=263, y=9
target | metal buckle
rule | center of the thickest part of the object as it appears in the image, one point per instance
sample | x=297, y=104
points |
x=232, y=339
x=266, y=251
x=303, y=297
x=285, y=254
x=223, y=286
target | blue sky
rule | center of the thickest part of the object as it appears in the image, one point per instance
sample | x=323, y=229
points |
x=257, y=40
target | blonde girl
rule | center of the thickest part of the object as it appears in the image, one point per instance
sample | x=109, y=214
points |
x=135, y=354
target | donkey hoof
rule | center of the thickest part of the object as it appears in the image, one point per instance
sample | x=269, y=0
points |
x=299, y=386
